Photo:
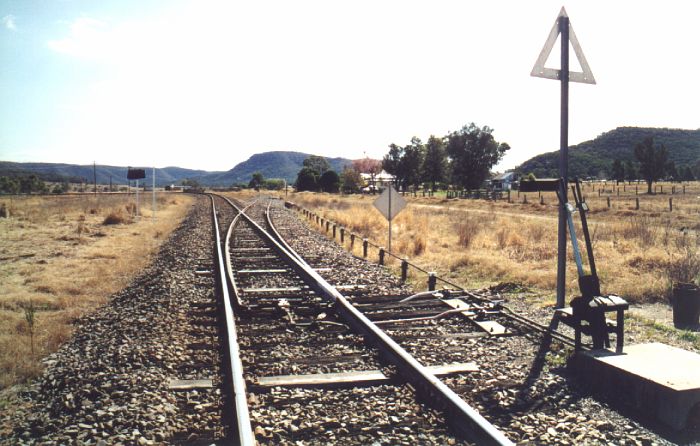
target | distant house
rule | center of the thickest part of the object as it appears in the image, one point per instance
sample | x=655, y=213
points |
x=377, y=182
x=504, y=181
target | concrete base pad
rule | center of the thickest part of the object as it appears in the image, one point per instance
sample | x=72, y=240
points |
x=657, y=379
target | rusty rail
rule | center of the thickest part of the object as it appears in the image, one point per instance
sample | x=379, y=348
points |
x=241, y=423
x=461, y=416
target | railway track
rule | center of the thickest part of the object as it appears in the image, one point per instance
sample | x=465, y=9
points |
x=309, y=376
x=317, y=347
x=494, y=364
x=299, y=334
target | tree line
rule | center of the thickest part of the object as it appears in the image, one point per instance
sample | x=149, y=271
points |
x=652, y=165
x=29, y=184
x=462, y=158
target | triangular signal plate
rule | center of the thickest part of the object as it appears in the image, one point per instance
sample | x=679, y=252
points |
x=539, y=70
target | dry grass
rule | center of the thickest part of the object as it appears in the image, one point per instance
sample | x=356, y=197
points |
x=478, y=243
x=58, y=254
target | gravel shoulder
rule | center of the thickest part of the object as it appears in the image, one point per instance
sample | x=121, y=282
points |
x=109, y=384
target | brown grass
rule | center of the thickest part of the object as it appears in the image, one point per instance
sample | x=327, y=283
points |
x=58, y=254
x=479, y=243
x=467, y=230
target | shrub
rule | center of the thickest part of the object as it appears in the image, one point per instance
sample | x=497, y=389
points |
x=684, y=267
x=114, y=218
x=418, y=245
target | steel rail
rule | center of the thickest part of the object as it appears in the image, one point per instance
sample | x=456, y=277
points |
x=508, y=312
x=244, y=433
x=461, y=416
x=281, y=239
x=227, y=248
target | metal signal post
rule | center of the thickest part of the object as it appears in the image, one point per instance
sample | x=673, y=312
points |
x=563, y=27
x=563, y=162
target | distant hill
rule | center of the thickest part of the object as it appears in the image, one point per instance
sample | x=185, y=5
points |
x=594, y=158
x=271, y=164
x=76, y=173
x=277, y=164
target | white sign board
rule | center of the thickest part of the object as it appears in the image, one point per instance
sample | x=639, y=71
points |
x=390, y=203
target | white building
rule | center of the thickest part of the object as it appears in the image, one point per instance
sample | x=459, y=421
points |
x=504, y=181
x=377, y=181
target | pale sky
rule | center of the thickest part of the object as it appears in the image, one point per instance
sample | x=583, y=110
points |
x=206, y=84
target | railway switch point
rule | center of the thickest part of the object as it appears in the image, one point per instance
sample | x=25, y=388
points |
x=656, y=379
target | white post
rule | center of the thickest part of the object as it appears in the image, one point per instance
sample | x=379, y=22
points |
x=390, y=190
x=137, y=199
x=154, y=193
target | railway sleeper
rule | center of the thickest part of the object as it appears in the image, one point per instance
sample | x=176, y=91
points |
x=355, y=378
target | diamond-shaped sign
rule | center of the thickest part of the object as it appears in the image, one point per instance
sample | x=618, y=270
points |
x=390, y=203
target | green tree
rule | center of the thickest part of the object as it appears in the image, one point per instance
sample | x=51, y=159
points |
x=351, y=180
x=273, y=184
x=630, y=171
x=31, y=183
x=193, y=185
x=671, y=171
x=405, y=162
x=618, y=171
x=474, y=152
x=307, y=180
x=652, y=161
x=256, y=181
x=9, y=185
x=318, y=164
x=435, y=163
x=61, y=188
x=687, y=174
x=329, y=182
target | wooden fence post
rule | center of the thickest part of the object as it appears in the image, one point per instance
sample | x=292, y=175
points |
x=637, y=200
x=404, y=270
x=670, y=204
x=432, y=281
x=381, y=255
x=608, y=202
x=365, y=245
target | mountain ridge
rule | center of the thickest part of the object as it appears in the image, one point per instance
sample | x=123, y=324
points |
x=594, y=158
x=272, y=164
x=281, y=164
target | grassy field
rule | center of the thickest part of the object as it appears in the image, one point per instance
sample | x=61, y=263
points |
x=63, y=256
x=479, y=243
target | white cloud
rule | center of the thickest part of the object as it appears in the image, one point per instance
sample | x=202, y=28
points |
x=9, y=22
x=87, y=39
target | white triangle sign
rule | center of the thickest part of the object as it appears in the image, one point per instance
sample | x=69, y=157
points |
x=539, y=70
